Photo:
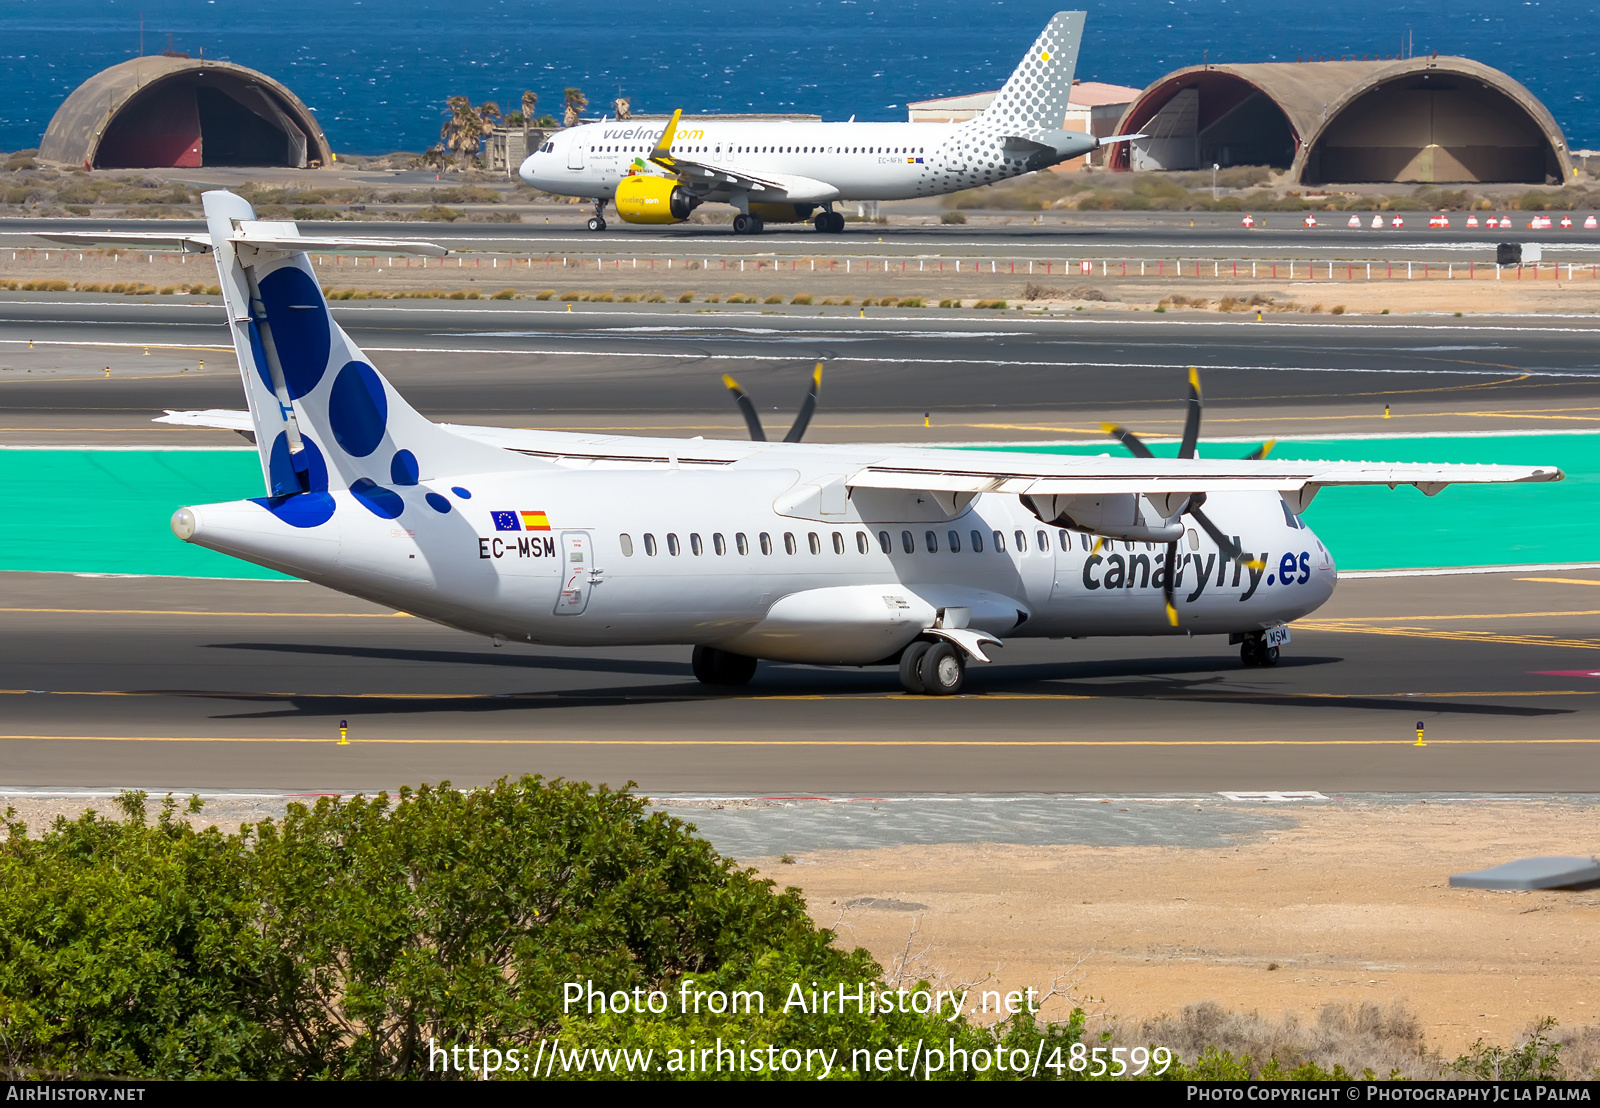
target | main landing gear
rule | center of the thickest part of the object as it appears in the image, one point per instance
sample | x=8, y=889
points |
x=722, y=667
x=932, y=668
x=1254, y=651
x=597, y=222
x=828, y=223
x=748, y=224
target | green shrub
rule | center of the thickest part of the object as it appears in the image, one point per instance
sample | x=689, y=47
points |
x=990, y=304
x=911, y=302
x=774, y=299
x=950, y=303
x=572, y=295
x=505, y=294
x=686, y=298
x=545, y=294
x=346, y=939
x=801, y=298
x=953, y=217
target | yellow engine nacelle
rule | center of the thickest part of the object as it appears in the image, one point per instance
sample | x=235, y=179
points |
x=646, y=199
x=782, y=213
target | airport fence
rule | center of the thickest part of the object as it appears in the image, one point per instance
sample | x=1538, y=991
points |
x=1118, y=269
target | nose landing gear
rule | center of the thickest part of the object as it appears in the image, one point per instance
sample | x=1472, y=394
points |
x=597, y=222
x=1254, y=651
x=828, y=223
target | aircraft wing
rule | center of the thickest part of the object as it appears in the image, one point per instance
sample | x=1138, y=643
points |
x=1044, y=475
x=762, y=187
x=261, y=234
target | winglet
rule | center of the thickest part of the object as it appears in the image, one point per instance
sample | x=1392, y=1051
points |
x=663, y=148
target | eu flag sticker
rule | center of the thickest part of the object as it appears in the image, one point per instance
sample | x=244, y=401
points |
x=506, y=521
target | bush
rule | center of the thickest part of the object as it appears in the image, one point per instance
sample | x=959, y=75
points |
x=572, y=295
x=953, y=217
x=545, y=294
x=990, y=304
x=686, y=298
x=435, y=213
x=950, y=303
x=911, y=302
x=505, y=294
x=774, y=299
x=345, y=939
x=655, y=298
x=801, y=298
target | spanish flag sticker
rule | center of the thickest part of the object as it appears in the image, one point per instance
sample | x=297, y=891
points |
x=535, y=521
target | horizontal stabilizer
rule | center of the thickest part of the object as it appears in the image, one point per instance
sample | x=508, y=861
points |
x=221, y=418
x=1112, y=140
x=194, y=242
x=260, y=234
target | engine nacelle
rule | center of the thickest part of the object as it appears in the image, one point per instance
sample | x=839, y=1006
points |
x=782, y=213
x=646, y=199
x=1126, y=516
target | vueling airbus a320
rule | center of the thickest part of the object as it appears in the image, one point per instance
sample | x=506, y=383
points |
x=844, y=555
x=785, y=172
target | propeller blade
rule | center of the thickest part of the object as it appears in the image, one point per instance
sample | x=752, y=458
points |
x=1172, y=569
x=1191, y=422
x=803, y=420
x=1127, y=438
x=746, y=408
x=1260, y=452
x=1230, y=549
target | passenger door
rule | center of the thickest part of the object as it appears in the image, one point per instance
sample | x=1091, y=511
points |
x=575, y=152
x=578, y=573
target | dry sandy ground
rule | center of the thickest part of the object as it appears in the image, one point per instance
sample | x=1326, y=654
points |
x=1351, y=905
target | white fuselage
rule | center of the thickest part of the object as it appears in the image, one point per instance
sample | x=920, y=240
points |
x=741, y=558
x=855, y=161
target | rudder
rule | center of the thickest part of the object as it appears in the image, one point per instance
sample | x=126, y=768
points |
x=1035, y=99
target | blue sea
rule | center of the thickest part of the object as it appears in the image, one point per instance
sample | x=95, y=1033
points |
x=377, y=72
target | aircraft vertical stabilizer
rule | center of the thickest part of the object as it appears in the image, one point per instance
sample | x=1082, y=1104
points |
x=1035, y=99
x=324, y=417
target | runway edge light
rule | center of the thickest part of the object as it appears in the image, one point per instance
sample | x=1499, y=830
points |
x=1419, y=734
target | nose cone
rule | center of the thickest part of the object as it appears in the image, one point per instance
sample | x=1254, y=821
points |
x=184, y=524
x=527, y=170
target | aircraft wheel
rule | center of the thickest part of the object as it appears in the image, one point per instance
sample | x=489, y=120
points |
x=596, y=223
x=1269, y=656
x=757, y=225
x=822, y=223
x=943, y=668
x=836, y=222
x=911, y=667
x=1250, y=651
x=743, y=224
x=734, y=669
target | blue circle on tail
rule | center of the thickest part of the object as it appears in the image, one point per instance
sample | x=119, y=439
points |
x=358, y=409
x=284, y=480
x=301, y=329
x=438, y=503
x=381, y=502
x=307, y=509
x=403, y=469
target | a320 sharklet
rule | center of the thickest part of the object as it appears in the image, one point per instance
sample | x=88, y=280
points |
x=853, y=555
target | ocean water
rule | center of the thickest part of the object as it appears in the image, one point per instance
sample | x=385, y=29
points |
x=377, y=72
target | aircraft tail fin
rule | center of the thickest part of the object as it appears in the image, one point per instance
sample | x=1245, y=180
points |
x=324, y=417
x=1035, y=99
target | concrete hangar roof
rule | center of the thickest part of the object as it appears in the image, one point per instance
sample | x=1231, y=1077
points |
x=1429, y=120
x=178, y=112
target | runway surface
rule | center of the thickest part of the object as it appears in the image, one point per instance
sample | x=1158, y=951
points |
x=1079, y=235
x=186, y=684
x=657, y=369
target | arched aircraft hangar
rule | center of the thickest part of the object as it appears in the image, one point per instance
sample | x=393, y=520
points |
x=1415, y=120
x=176, y=112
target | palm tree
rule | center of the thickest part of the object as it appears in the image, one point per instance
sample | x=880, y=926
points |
x=624, y=107
x=530, y=109
x=576, y=102
x=463, y=131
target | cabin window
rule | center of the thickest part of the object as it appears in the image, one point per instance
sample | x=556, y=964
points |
x=718, y=544
x=1022, y=541
x=650, y=546
x=788, y=542
x=838, y=543
x=1065, y=541
x=1194, y=540
x=672, y=545
x=977, y=542
x=931, y=540
x=1083, y=541
x=741, y=544
x=627, y=546
x=1044, y=541
x=907, y=543
x=884, y=544
x=999, y=542
x=863, y=544
x=766, y=543
x=814, y=543
x=955, y=542
x=695, y=546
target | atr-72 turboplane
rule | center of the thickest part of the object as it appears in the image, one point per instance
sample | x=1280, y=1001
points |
x=785, y=171
x=847, y=555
